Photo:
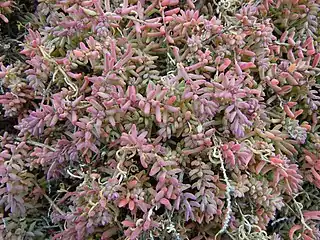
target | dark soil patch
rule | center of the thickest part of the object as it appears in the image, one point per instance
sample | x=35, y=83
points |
x=7, y=125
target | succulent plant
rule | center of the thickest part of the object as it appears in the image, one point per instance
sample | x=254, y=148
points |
x=154, y=119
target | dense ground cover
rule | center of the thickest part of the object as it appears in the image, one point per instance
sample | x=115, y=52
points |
x=159, y=119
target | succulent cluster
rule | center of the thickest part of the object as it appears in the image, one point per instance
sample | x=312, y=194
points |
x=163, y=119
x=5, y=9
